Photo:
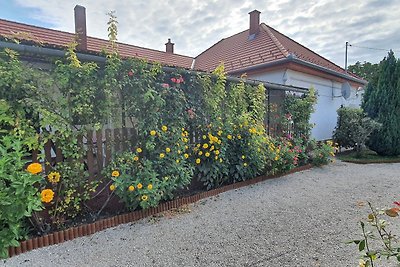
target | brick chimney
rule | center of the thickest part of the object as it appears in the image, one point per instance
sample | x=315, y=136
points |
x=169, y=47
x=254, y=23
x=80, y=27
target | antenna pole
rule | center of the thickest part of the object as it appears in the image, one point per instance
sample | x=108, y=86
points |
x=345, y=58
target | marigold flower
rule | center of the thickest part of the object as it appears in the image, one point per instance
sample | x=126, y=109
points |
x=216, y=152
x=34, y=168
x=139, y=150
x=136, y=158
x=185, y=140
x=112, y=187
x=150, y=186
x=164, y=128
x=131, y=188
x=198, y=161
x=47, y=195
x=139, y=186
x=186, y=155
x=200, y=153
x=205, y=145
x=144, y=198
x=153, y=133
x=207, y=154
x=54, y=177
x=168, y=150
x=229, y=137
x=162, y=155
x=115, y=174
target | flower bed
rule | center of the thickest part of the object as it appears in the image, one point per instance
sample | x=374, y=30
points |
x=89, y=229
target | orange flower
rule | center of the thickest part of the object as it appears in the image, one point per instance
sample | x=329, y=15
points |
x=131, y=188
x=115, y=174
x=139, y=186
x=34, y=168
x=47, y=195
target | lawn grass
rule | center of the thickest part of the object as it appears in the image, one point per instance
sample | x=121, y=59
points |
x=368, y=156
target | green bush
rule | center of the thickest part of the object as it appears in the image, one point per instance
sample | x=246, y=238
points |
x=353, y=128
x=18, y=195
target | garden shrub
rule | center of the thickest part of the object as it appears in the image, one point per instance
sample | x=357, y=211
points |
x=353, y=128
x=19, y=197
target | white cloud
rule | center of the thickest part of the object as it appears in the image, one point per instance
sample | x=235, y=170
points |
x=321, y=25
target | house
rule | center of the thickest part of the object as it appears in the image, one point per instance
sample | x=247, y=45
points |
x=261, y=52
x=265, y=54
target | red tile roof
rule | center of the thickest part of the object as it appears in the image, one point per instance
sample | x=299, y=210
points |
x=238, y=52
x=60, y=39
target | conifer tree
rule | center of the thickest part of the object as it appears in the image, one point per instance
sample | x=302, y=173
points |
x=382, y=103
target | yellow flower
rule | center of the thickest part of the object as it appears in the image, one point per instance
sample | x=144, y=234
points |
x=219, y=133
x=164, y=128
x=166, y=178
x=277, y=157
x=219, y=142
x=115, y=174
x=216, y=157
x=168, y=150
x=162, y=155
x=239, y=136
x=198, y=145
x=207, y=154
x=139, y=186
x=112, y=187
x=138, y=150
x=47, y=195
x=186, y=156
x=243, y=156
x=198, y=161
x=200, y=153
x=135, y=158
x=131, y=188
x=245, y=164
x=186, y=147
x=220, y=160
x=179, y=152
x=150, y=186
x=34, y=168
x=177, y=161
x=216, y=152
x=54, y=177
x=153, y=133
x=205, y=146
x=229, y=137
x=185, y=140
x=204, y=137
x=144, y=198
x=211, y=148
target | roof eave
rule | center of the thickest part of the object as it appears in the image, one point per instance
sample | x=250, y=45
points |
x=301, y=62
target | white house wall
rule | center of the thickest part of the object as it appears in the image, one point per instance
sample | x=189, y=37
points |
x=329, y=98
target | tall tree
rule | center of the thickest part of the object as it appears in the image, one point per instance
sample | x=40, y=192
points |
x=366, y=70
x=382, y=102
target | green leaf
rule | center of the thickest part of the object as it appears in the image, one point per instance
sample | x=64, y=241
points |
x=361, y=245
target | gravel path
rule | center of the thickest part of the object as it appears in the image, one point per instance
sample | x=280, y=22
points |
x=300, y=219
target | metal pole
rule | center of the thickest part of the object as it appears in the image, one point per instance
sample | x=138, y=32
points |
x=345, y=58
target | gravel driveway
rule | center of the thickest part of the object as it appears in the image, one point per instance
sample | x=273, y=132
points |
x=300, y=219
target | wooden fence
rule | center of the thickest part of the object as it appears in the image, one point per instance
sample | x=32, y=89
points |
x=99, y=146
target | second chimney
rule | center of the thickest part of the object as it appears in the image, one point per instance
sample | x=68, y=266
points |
x=80, y=27
x=254, y=23
x=169, y=47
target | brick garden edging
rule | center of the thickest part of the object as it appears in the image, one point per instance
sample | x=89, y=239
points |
x=89, y=229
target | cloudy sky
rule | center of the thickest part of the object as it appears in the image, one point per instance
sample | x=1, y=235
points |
x=194, y=25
